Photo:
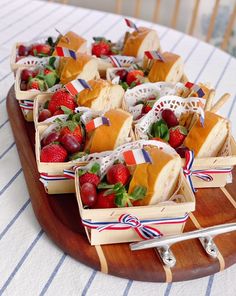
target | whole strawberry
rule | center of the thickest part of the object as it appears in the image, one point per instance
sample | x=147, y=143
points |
x=61, y=98
x=101, y=47
x=90, y=176
x=75, y=131
x=105, y=200
x=36, y=83
x=177, y=135
x=146, y=108
x=53, y=153
x=40, y=50
x=134, y=76
x=118, y=173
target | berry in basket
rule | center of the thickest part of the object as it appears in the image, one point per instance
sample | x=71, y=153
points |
x=103, y=47
x=135, y=185
x=130, y=77
x=37, y=50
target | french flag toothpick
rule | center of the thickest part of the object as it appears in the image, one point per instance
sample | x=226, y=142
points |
x=136, y=156
x=154, y=55
x=91, y=125
x=65, y=52
x=196, y=88
x=76, y=86
x=131, y=24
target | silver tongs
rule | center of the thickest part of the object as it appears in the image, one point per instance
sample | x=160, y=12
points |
x=164, y=243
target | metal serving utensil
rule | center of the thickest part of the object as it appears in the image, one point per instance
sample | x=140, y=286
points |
x=164, y=243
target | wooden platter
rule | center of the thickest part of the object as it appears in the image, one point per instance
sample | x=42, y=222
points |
x=59, y=217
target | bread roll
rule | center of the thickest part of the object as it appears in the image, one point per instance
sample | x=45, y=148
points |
x=140, y=41
x=109, y=137
x=171, y=70
x=74, y=42
x=208, y=140
x=84, y=67
x=159, y=177
x=102, y=96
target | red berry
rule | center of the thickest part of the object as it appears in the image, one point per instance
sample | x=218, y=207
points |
x=88, y=194
x=122, y=74
x=105, y=201
x=177, y=136
x=50, y=138
x=89, y=178
x=61, y=98
x=169, y=117
x=134, y=76
x=44, y=114
x=101, y=48
x=53, y=153
x=118, y=173
x=26, y=74
x=58, y=112
x=146, y=109
x=22, y=50
x=181, y=151
x=77, y=133
x=38, y=49
x=70, y=143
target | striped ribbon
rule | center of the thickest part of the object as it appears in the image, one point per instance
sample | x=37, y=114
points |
x=46, y=177
x=26, y=105
x=142, y=227
x=70, y=174
x=205, y=175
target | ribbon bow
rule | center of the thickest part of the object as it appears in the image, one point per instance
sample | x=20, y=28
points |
x=202, y=174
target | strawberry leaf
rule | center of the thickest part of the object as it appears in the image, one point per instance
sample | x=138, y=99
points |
x=138, y=193
x=66, y=110
x=95, y=168
x=52, y=62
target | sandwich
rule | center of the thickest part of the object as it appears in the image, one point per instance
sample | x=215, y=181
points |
x=102, y=96
x=171, y=70
x=84, y=67
x=208, y=140
x=159, y=177
x=105, y=137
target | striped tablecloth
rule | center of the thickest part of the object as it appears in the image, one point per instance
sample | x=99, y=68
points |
x=30, y=264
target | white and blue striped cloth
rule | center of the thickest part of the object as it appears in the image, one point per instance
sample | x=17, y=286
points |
x=30, y=264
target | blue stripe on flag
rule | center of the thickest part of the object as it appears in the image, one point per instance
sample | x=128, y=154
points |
x=146, y=156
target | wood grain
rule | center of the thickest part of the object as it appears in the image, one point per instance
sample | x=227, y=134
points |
x=59, y=217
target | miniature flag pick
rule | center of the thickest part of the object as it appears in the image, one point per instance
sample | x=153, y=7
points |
x=136, y=156
x=65, y=52
x=76, y=86
x=131, y=24
x=91, y=125
x=194, y=87
x=154, y=55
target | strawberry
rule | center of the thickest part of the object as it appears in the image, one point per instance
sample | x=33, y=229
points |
x=61, y=98
x=36, y=83
x=146, y=108
x=75, y=131
x=40, y=50
x=134, y=76
x=53, y=153
x=105, y=200
x=177, y=135
x=118, y=173
x=89, y=178
x=101, y=47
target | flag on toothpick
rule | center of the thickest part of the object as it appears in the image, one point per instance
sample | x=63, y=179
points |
x=76, y=86
x=136, y=156
x=154, y=55
x=131, y=24
x=196, y=88
x=91, y=125
x=65, y=52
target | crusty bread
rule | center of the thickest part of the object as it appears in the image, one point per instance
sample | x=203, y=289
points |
x=171, y=70
x=160, y=177
x=109, y=137
x=84, y=67
x=74, y=42
x=208, y=140
x=140, y=41
x=102, y=96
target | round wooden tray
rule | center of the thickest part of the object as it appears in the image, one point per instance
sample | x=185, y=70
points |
x=59, y=217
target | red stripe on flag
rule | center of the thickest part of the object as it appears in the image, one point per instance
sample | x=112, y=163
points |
x=70, y=87
x=59, y=51
x=129, y=158
x=90, y=126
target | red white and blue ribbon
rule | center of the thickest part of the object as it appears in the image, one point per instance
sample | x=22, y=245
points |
x=26, y=105
x=91, y=125
x=205, y=175
x=154, y=55
x=131, y=24
x=196, y=88
x=136, y=156
x=69, y=174
x=46, y=177
x=76, y=86
x=142, y=227
x=65, y=52
x=120, y=61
